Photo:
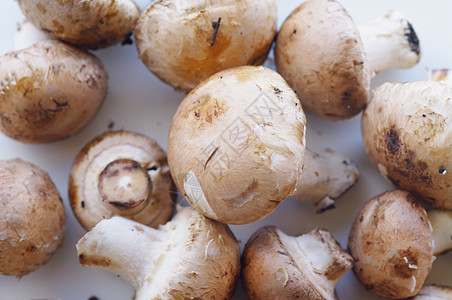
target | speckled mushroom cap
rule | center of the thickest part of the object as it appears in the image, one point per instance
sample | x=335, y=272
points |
x=320, y=53
x=49, y=91
x=89, y=24
x=278, y=266
x=32, y=218
x=236, y=144
x=407, y=132
x=184, y=42
x=190, y=257
x=126, y=165
x=391, y=242
x=434, y=292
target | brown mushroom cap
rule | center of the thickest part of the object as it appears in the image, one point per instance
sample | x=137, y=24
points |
x=236, y=144
x=49, y=91
x=391, y=242
x=185, y=42
x=32, y=218
x=320, y=53
x=406, y=129
x=89, y=24
x=121, y=173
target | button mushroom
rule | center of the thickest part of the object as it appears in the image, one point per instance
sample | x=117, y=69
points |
x=406, y=129
x=191, y=257
x=278, y=266
x=49, y=91
x=184, y=42
x=434, y=292
x=32, y=218
x=329, y=60
x=89, y=24
x=121, y=173
x=393, y=244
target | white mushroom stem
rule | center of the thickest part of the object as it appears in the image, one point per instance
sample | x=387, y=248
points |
x=440, y=75
x=27, y=34
x=325, y=177
x=441, y=221
x=390, y=42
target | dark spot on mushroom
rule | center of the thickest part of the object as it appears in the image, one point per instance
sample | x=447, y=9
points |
x=361, y=219
x=82, y=204
x=31, y=248
x=294, y=31
x=424, y=115
x=277, y=91
x=216, y=27
x=392, y=140
x=442, y=170
x=152, y=168
x=360, y=269
x=110, y=125
x=412, y=39
x=395, y=182
x=128, y=40
x=197, y=115
x=345, y=162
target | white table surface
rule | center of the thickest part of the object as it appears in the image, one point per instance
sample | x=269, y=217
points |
x=138, y=101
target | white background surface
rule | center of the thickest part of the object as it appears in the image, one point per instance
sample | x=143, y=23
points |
x=138, y=101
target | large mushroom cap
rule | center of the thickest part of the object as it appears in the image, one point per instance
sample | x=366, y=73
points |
x=407, y=132
x=236, y=144
x=320, y=53
x=32, y=217
x=185, y=42
x=391, y=242
x=121, y=173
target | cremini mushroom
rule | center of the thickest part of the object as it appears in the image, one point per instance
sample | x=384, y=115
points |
x=394, y=244
x=406, y=129
x=434, y=292
x=88, y=24
x=278, y=266
x=329, y=60
x=121, y=173
x=236, y=144
x=27, y=34
x=49, y=91
x=184, y=42
x=32, y=217
x=191, y=257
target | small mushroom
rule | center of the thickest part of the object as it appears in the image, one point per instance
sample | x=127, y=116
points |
x=440, y=75
x=185, y=42
x=406, y=129
x=278, y=266
x=121, y=173
x=434, y=292
x=32, y=218
x=89, y=24
x=49, y=91
x=329, y=60
x=27, y=34
x=393, y=244
x=191, y=257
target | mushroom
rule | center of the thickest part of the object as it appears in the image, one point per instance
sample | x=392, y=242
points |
x=32, y=217
x=434, y=292
x=49, y=91
x=185, y=42
x=440, y=75
x=394, y=244
x=236, y=144
x=278, y=266
x=89, y=24
x=27, y=34
x=441, y=221
x=406, y=129
x=191, y=257
x=121, y=173
x=329, y=60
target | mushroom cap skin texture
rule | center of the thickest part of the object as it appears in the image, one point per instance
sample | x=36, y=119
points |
x=236, y=144
x=407, y=133
x=191, y=257
x=185, y=42
x=49, y=91
x=391, y=242
x=434, y=292
x=94, y=166
x=278, y=266
x=320, y=53
x=32, y=218
x=88, y=24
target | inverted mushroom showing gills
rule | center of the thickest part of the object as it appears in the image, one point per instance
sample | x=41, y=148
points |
x=49, y=91
x=278, y=266
x=185, y=42
x=329, y=60
x=32, y=218
x=121, y=173
x=407, y=133
x=191, y=257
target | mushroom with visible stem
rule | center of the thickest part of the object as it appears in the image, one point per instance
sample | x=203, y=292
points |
x=191, y=257
x=278, y=266
x=394, y=244
x=434, y=292
x=329, y=60
x=406, y=131
x=32, y=217
x=121, y=173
